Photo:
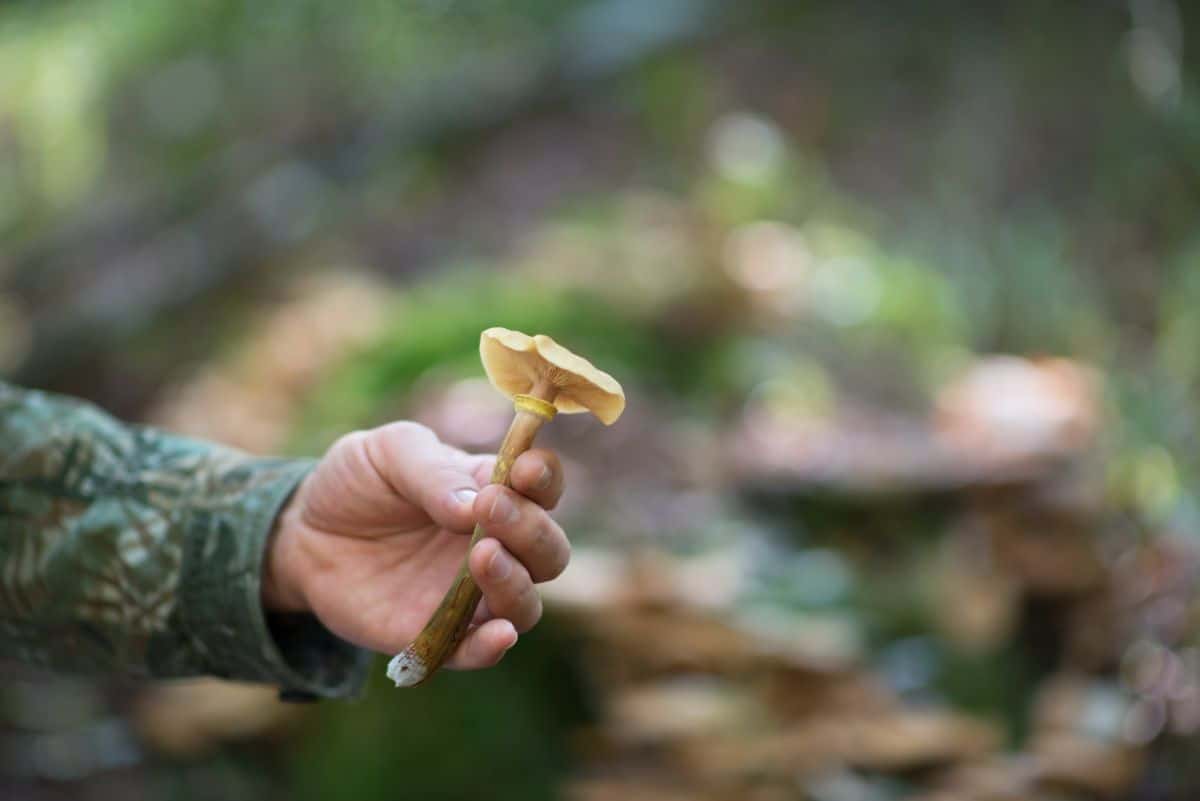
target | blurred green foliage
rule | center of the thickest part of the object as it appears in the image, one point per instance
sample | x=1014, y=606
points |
x=435, y=329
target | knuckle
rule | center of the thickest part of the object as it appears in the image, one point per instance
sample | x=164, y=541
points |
x=550, y=460
x=505, y=601
x=530, y=608
x=536, y=609
x=478, y=654
x=562, y=558
x=407, y=432
x=391, y=443
x=548, y=546
x=518, y=587
x=438, y=475
x=351, y=439
x=540, y=537
x=536, y=548
x=492, y=493
x=501, y=599
x=481, y=467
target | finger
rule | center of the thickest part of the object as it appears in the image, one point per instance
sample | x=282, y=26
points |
x=482, y=614
x=525, y=530
x=538, y=475
x=425, y=470
x=483, y=647
x=481, y=468
x=506, y=585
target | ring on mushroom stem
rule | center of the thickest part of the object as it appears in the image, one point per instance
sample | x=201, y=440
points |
x=543, y=378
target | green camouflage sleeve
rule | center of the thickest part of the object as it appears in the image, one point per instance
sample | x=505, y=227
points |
x=127, y=549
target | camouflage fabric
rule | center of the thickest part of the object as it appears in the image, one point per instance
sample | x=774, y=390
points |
x=128, y=549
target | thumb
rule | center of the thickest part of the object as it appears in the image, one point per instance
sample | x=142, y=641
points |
x=426, y=472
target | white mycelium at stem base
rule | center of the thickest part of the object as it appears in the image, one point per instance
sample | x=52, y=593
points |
x=406, y=669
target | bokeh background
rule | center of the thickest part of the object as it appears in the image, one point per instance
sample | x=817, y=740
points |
x=904, y=300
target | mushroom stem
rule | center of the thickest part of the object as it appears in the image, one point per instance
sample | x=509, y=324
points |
x=449, y=623
x=521, y=432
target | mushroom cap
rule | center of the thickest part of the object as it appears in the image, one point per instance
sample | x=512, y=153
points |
x=515, y=362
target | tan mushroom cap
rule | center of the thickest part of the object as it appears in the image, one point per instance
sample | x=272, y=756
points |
x=515, y=362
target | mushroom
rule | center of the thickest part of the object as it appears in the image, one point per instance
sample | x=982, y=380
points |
x=542, y=378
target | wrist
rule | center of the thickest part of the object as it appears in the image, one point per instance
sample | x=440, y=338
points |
x=281, y=588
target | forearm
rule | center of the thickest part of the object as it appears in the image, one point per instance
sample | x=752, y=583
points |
x=125, y=548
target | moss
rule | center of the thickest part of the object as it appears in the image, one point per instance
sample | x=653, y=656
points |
x=505, y=729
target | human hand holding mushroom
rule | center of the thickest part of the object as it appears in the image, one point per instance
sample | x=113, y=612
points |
x=374, y=536
x=543, y=378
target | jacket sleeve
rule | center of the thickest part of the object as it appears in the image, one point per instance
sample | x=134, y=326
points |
x=128, y=549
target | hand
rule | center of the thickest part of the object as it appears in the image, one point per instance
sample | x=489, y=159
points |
x=375, y=535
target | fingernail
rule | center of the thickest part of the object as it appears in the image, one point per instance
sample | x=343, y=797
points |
x=503, y=510
x=499, y=567
x=543, y=481
x=465, y=496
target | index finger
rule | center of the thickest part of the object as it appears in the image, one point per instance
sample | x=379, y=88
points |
x=537, y=474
